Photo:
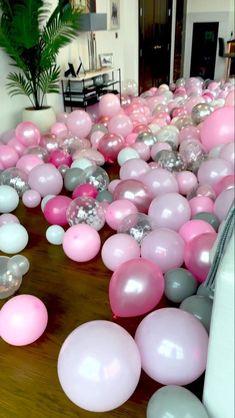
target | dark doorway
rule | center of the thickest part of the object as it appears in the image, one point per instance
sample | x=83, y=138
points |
x=154, y=42
x=179, y=38
x=204, y=45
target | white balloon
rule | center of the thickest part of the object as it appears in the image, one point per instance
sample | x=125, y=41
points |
x=45, y=200
x=13, y=238
x=55, y=234
x=81, y=163
x=126, y=154
x=9, y=199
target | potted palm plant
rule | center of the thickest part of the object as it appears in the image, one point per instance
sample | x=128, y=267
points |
x=32, y=36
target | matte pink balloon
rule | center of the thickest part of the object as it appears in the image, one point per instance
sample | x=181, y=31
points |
x=197, y=255
x=46, y=179
x=228, y=153
x=31, y=198
x=187, y=181
x=55, y=210
x=23, y=319
x=160, y=181
x=59, y=129
x=109, y=105
x=135, y=191
x=226, y=183
x=8, y=156
x=20, y=148
x=170, y=210
x=193, y=228
x=28, y=134
x=81, y=243
x=85, y=189
x=189, y=132
x=131, y=138
x=112, y=185
x=62, y=117
x=213, y=170
x=120, y=125
x=59, y=157
x=110, y=145
x=218, y=128
x=159, y=146
x=164, y=247
x=133, y=169
x=117, y=211
x=200, y=204
x=118, y=249
x=8, y=218
x=79, y=123
x=28, y=162
x=135, y=287
x=223, y=203
x=173, y=346
x=142, y=149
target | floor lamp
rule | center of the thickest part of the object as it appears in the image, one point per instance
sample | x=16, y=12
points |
x=92, y=22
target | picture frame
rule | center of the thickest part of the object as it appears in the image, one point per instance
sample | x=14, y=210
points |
x=86, y=6
x=106, y=60
x=114, y=14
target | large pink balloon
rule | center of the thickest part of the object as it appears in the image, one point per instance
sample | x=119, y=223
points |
x=160, y=181
x=8, y=156
x=170, y=210
x=230, y=99
x=213, y=170
x=79, y=123
x=135, y=287
x=110, y=145
x=118, y=249
x=46, y=179
x=28, y=162
x=197, y=255
x=28, y=134
x=81, y=243
x=99, y=366
x=109, y=105
x=193, y=228
x=117, y=211
x=164, y=247
x=120, y=125
x=218, y=127
x=223, y=203
x=135, y=191
x=173, y=346
x=133, y=169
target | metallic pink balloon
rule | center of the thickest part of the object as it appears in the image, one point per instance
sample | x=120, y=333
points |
x=226, y=183
x=110, y=145
x=120, y=125
x=28, y=134
x=133, y=169
x=135, y=191
x=213, y=170
x=201, y=204
x=135, y=287
x=117, y=211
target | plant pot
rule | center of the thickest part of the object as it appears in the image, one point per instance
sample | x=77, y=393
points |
x=44, y=118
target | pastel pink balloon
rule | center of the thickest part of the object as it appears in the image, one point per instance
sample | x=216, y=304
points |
x=28, y=162
x=135, y=191
x=160, y=181
x=23, y=319
x=109, y=105
x=206, y=190
x=213, y=170
x=95, y=138
x=226, y=183
x=8, y=218
x=223, y=203
x=113, y=184
x=135, y=287
x=228, y=153
x=189, y=132
x=117, y=211
x=59, y=128
x=28, y=134
x=1, y=166
x=193, y=228
x=31, y=198
x=197, y=255
x=8, y=156
x=133, y=169
x=218, y=128
x=85, y=189
x=173, y=346
x=46, y=179
x=159, y=146
x=59, y=157
x=200, y=204
x=170, y=210
x=164, y=247
x=20, y=148
x=81, y=243
x=141, y=128
x=110, y=145
x=120, y=125
x=79, y=123
x=131, y=138
x=55, y=210
x=118, y=249
x=187, y=181
x=142, y=149
x=230, y=99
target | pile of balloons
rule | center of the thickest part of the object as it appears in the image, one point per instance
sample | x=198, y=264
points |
x=175, y=149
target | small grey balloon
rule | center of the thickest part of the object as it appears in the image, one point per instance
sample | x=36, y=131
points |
x=200, y=307
x=200, y=112
x=179, y=284
x=73, y=177
x=175, y=402
x=208, y=217
x=147, y=137
x=104, y=196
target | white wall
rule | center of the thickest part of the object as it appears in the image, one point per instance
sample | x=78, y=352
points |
x=124, y=49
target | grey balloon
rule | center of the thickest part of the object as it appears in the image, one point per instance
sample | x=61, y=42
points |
x=175, y=402
x=200, y=307
x=179, y=284
x=208, y=217
x=200, y=112
x=104, y=196
x=147, y=137
x=73, y=177
x=205, y=291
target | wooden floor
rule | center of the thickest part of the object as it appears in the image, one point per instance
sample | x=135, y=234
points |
x=73, y=293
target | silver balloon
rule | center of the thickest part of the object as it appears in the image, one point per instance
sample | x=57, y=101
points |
x=18, y=265
x=96, y=176
x=183, y=121
x=86, y=210
x=9, y=283
x=170, y=160
x=147, y=137
x=16, y=178
x=200, y=112
x=38, y=151
x=138, y=225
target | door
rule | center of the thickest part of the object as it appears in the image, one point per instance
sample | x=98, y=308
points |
x=154, y=42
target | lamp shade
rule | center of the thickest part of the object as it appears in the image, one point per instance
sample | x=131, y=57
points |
x=91, y=22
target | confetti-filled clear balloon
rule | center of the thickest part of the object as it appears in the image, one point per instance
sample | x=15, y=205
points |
x=18, y=265
x=138, y=225
x=38, y=151
x=170, y=160
x=86, y=210
x=9, y=282
x=97, y=176
x=193, y=153
x=16, y=178
x=147, y=137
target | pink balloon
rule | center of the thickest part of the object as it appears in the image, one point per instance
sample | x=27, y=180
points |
x=189, y=132
x=62, y=117
x=117, y=211
x=46, y=179
x=109, y=105
x=85, y=189
x=141, y=128
x=193, y=228
x=28, y=162
x=113, y=184
x=55, y=210
x=31, y=198
x=173, y=346
x=164, y=247
x=193, y=101
x=23, y=319
x=79, y=123
x=59, y=157
x=159, y=146
x=28, y=134
x=20, y=149
x=197, y=255
x=218, y=128
x=94, y=112
x=142, y=149
x=135, y=191
x=131, y=138
x=118, y=249
x=226, y=183
x=230, y=99
x=81, y=243
x=200, y=204
x=170, y=210
x=160, y=181
x=223, y=203
x=135, y=288
x=59, y=129
x=8, y=218
x=8, y=156
x=120, y=125
x=228, y=153
x=213, y=170
x=110, y=145
x=133, y=169
x=95, y=138
x=187, y=181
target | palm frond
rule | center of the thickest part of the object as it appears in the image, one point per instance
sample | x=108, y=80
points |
x=18, y=85
x=13, y=52
x=49, y=81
